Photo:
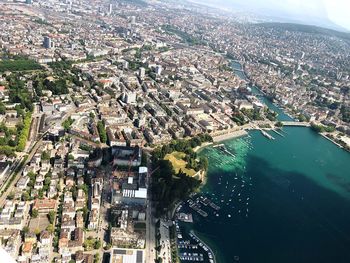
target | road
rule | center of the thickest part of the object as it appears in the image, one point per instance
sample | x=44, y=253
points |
x=150, y=222
x=165, y=251
x=18, y=175
x=8, y=174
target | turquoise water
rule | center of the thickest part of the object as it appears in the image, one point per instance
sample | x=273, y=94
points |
x=286, y=200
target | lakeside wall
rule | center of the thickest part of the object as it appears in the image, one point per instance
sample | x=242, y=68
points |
x=230, y=135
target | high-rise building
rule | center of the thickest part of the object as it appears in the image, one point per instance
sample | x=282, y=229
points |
x=125, y=64
x=133, y=20
x=110, y=9
x=47, y=42
x=130, y=97
x=142, y=73
x=159, y=69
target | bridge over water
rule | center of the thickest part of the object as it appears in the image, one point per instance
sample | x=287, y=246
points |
x=295, y=123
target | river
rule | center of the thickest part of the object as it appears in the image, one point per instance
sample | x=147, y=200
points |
x=282, y=116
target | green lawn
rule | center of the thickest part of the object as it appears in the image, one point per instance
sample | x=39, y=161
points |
x=178, y=163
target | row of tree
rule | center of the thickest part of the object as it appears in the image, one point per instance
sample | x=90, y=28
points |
x=322, y=128
x=102, y=131
x=19, y=65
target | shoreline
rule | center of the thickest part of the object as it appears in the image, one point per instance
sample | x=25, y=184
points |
x=331, y=140
x=227, y=135
x=209, y=248
x=230, y=135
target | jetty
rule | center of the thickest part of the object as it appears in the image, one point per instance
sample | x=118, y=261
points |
x=198, y=209
x=218, y=145
x=280, y=134
x=211, y=254
x=223, y=148
x=207, y=202
x=267, y=135
x=214, y=206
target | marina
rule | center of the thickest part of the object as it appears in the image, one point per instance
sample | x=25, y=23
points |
x=196, y=203
x=191, y=248
x=277, y=132
x=267, y=135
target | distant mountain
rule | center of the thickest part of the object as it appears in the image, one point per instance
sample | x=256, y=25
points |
x=277, y=11
x=307, y=29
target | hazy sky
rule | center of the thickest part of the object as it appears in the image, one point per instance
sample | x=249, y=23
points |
x=337, y=11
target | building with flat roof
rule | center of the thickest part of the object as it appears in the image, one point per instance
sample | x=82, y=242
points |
x=122, y=255
x=126, y=156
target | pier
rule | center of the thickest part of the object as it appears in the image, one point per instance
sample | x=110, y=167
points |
x=224, y=150
x=205, y=246
x=280, y=134
x=197, y=208
x=267, y=135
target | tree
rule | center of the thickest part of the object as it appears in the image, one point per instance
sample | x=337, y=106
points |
x=45, y=155
x=97, y=258
x=25, y=229
x=67, y=123
x=89, y=243
x=25, y=196
x=302, y=118
x=97, y=244
x=51, y=216
x=2, y=108
x=35, y=213
x=279, y=124
x=50, y=228
x=11, y=196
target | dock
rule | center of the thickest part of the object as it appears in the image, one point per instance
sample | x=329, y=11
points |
x=187, y=218
x=267, y=135
x=224, y=150
x=211, y=254
x=281, y=130
x=198, y=209
x=214, y=206
x=280, y=134
x=218, y=145
x=207, y=202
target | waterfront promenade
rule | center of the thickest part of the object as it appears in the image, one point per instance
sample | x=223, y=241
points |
x=240, y=131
